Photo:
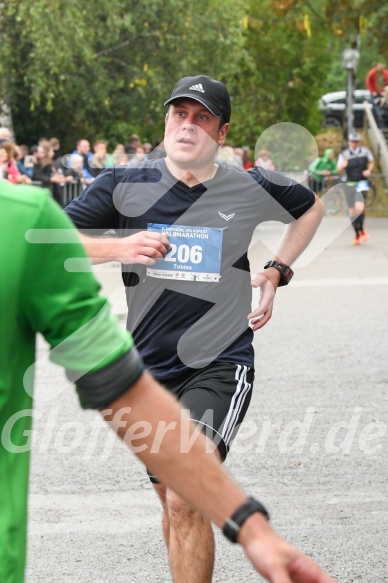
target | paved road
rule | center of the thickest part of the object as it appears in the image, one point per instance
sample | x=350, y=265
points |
x=313, y=448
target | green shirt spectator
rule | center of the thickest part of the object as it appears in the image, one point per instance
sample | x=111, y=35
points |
x=320, y=168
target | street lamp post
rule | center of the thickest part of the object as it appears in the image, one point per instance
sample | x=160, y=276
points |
x=350, y=59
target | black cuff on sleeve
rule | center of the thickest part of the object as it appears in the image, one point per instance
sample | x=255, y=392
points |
x=98, y=389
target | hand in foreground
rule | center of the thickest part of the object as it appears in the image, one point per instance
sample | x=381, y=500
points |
x=145, y=247
x=267, y=281
x=275, y=559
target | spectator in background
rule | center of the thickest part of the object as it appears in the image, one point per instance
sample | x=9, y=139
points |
x=9, y=169
x=36, y=154
x=239, y=153
x=264, y=161
x=130, y=147
x=5, y=135
x=83, y=149
x=56, y=146
x=138, y=156
x=23, y=151
x=226, y=156
x=320, y=169
x=246, y=158
x=376, y=79
x=47, y=174
x=24, y=160
x=119, y=155
x=147, y=147
x=78, y=171
x=43, y=142
x=100, y=159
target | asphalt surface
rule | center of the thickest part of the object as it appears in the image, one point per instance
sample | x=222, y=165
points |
x=313, y=447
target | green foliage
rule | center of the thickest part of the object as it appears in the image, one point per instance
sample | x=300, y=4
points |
x=104, y=69
x=285, y=70
x=90, y=69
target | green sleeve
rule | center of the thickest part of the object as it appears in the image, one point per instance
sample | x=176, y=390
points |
x=65, y=307
x=333, y=166
x=314, y=165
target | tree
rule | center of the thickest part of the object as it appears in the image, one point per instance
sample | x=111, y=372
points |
x=106, y=70
x=285, y=69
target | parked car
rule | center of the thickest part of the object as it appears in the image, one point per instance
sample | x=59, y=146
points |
x=332, y=106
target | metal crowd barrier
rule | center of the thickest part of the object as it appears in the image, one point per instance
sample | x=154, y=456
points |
x=71, y=190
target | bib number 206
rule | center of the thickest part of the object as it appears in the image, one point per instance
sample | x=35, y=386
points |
x=184, y=254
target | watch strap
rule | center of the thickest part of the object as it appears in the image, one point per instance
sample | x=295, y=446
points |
x=233, y=524
x=285, y=271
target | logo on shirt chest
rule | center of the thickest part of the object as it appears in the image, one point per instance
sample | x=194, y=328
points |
x=226, y=217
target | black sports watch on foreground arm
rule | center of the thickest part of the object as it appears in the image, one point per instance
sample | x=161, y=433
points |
x=233, y=524
x=284, y=270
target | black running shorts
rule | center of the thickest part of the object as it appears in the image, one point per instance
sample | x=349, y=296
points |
x=217, y=398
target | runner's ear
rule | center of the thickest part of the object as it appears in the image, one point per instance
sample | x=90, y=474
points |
x=223, y=132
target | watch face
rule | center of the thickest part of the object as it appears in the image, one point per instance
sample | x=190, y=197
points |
x=288, y=273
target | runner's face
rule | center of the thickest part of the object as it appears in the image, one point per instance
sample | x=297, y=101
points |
x=192, y=133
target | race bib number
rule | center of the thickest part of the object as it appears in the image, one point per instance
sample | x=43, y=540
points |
x=194, y=255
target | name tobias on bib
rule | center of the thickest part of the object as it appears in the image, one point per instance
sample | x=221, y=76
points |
x=186, y=259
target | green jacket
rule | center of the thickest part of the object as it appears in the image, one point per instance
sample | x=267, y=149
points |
x=323, y=163
x=41, y=293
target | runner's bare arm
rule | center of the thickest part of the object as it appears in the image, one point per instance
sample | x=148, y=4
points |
x=200, y=479
x=296, y=237
x=144, y=247
x=366, y=173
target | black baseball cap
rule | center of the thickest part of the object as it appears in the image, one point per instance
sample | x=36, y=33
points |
x=211, y=93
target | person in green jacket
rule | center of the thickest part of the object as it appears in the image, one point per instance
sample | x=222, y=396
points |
x=40, y=293
x=320, y=169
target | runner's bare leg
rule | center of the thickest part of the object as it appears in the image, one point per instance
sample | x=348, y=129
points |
x=189, y=539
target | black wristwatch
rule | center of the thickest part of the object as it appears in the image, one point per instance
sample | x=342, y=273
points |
x=233, y=524
x=285, y=271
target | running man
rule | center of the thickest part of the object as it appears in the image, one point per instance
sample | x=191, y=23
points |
x=39, y=295
x=355, y=163
x=184, y=226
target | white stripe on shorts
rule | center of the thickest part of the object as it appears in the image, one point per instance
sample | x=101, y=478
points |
x=237, y=403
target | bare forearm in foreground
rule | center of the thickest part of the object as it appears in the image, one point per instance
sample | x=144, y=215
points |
x=198, y=477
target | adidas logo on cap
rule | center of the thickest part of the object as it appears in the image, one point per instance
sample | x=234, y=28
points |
x=197, y=88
